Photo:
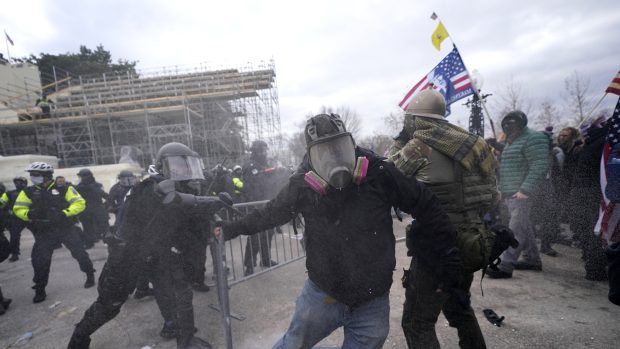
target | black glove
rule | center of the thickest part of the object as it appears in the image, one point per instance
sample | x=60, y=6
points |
x=403, y=136
x=57, y=216
x=35, y=214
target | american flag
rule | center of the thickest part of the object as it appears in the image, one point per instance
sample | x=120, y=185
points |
x=8, y=38
x=608, y=216
x=614, y=87
x=449, y=77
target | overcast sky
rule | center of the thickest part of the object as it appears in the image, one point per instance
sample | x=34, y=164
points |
x=362, y=54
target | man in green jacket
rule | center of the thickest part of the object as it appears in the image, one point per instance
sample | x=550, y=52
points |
x=524, y=164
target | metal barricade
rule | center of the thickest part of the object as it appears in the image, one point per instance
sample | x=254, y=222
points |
x=259, y=253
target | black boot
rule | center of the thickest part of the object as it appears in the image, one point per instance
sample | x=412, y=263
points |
x=169, y=331
x=139, y=294
x=90, y=280
x=39, y=295
x=14, y=257
x=78, y=342
x=200, y=286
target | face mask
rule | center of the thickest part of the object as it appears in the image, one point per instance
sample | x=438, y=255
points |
x=334, y=160
x=319, y=185
x=37, y=180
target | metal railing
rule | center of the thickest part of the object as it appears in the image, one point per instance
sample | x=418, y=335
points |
x=267, y=250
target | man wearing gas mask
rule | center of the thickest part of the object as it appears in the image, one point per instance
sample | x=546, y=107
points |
x=345, y=194
x=157, y=234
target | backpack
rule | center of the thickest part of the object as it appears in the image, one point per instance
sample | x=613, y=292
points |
x=480, y=247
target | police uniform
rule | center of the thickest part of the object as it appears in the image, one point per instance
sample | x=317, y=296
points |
x=50, y=213
x=13, y=224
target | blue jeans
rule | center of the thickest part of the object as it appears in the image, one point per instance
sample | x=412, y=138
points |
x=317, y=315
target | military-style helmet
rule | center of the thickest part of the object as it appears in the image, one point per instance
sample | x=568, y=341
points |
x=178, y=162
x=428, y=103
x=236, y=168
x=39, y=166
x=85, y=173
x=258, y=145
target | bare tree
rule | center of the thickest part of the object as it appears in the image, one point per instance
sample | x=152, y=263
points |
x=350, y=117
x=577, y=87
x=547, y=115
x=394, y=123
x=511, y=97
x=378, y=143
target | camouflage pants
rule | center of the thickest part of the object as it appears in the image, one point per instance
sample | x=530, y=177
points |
x=423, y=305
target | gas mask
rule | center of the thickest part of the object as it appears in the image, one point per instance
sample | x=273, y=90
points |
x=334, y=160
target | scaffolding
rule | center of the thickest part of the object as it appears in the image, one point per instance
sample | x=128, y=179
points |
x=216, y=112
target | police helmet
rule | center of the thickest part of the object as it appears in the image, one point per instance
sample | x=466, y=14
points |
x=178, y=162
x=40, y=166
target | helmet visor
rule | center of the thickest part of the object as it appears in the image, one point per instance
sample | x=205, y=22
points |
x=182, y=168
x=334, y=160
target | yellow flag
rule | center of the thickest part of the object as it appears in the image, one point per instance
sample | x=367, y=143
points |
x=439, y=35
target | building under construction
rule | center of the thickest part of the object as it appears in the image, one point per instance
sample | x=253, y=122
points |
x=98, y=120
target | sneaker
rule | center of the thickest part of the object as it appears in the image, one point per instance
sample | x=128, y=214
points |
x=139, y=294
x=200, y=287
x=528, y=266
x=498, y=274
x=14, y=257
x=39, y=296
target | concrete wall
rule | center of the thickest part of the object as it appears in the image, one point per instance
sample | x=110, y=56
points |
x=18, y=79
x=13, y=166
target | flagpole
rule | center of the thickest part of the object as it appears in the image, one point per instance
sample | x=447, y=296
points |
x=476, y=92
x=6, y=41
x=592, y=111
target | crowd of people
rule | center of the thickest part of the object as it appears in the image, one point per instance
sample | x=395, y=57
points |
x=471, y=200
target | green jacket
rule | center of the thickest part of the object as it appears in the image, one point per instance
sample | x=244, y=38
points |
x=524, y=163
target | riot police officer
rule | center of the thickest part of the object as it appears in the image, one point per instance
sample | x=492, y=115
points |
x=51, y=212
x=157, y=234
x=255, y=178
x=94, y=218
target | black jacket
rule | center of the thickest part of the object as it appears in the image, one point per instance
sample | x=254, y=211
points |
x=350, y=245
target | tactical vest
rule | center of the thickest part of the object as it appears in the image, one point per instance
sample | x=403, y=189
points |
x=46, y=200
x=462, y=194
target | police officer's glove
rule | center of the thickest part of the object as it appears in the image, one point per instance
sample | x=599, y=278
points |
x=35, y=214
x=403, y=136
x=504, y=238
x=57, y=216
x=230, y=229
